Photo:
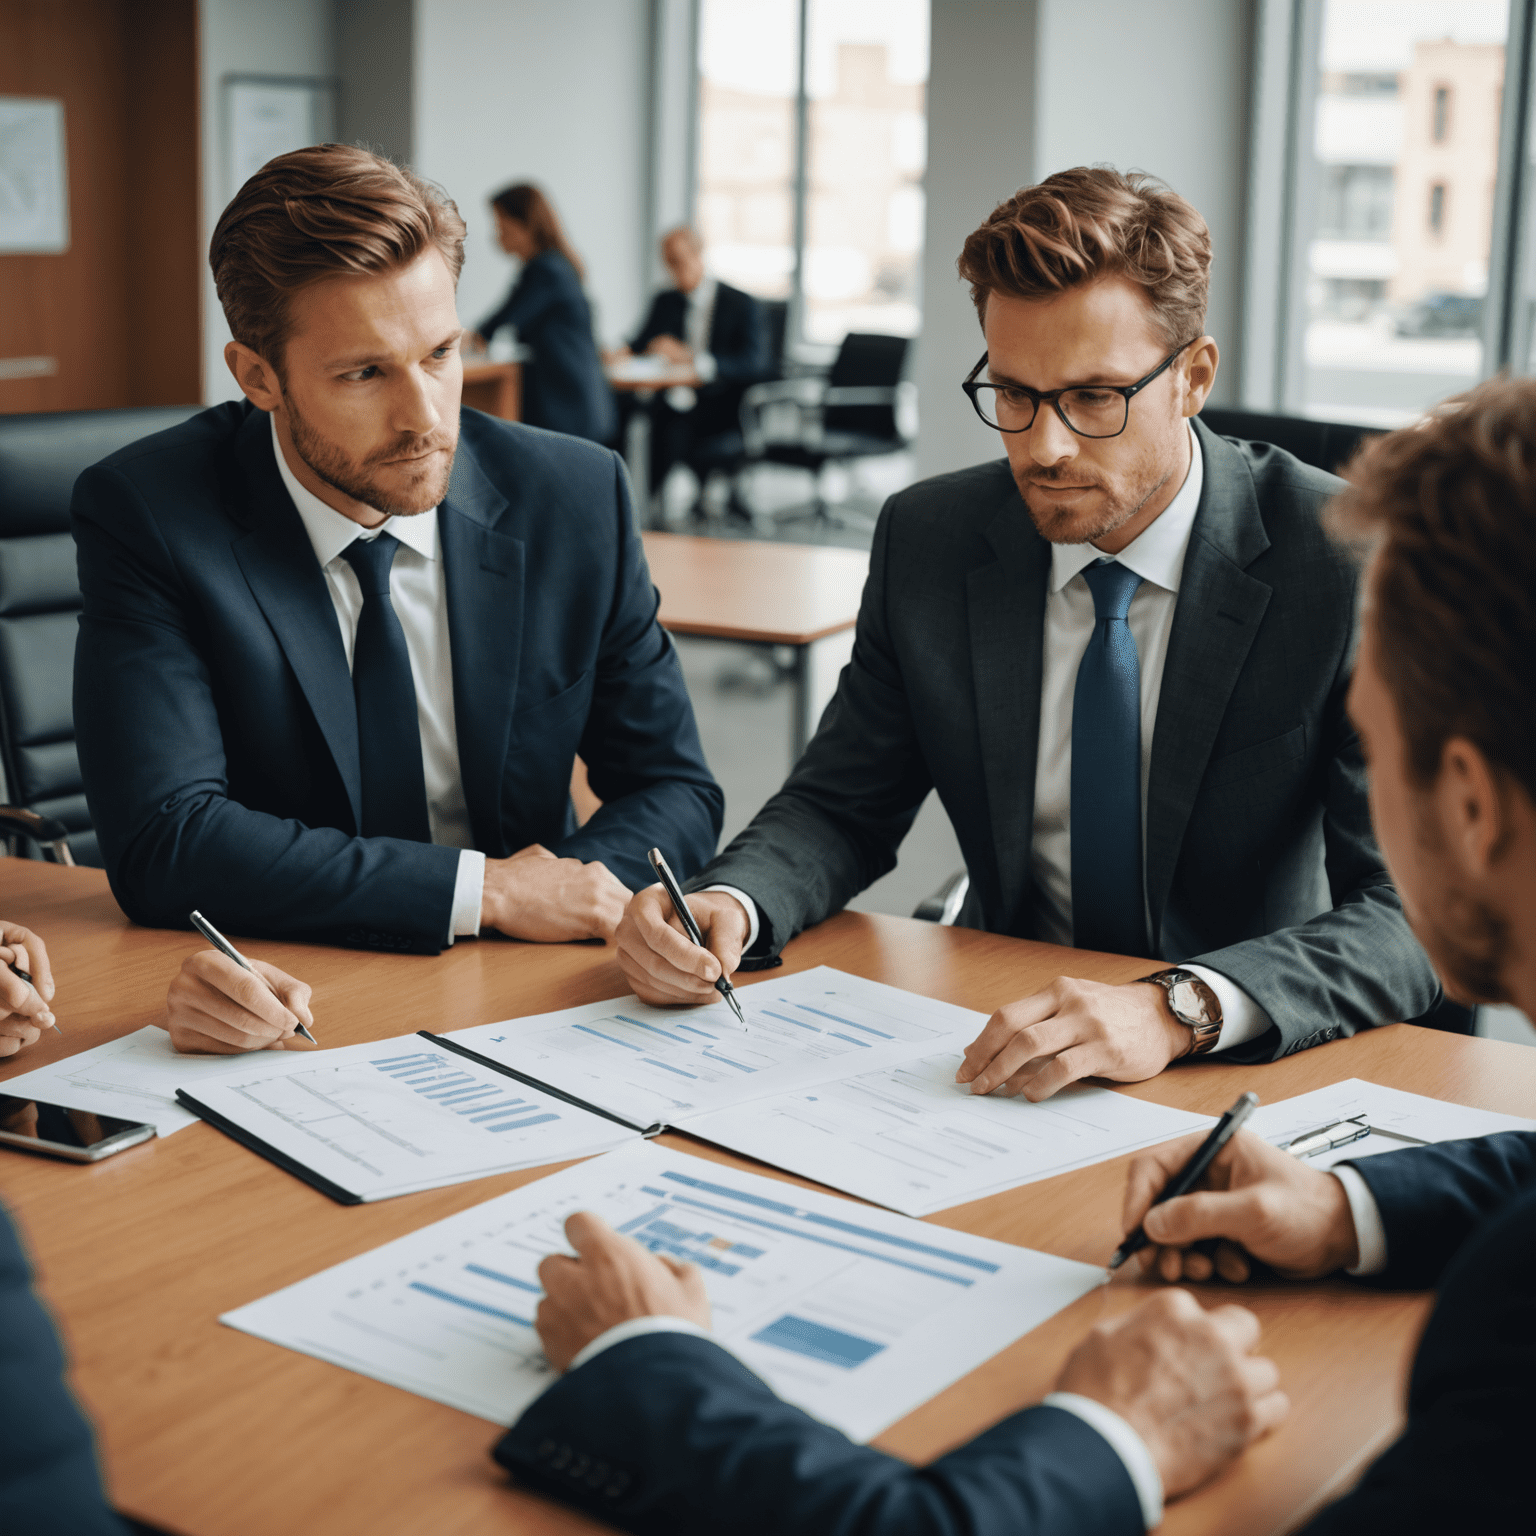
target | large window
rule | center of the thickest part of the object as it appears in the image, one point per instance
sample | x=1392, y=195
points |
x=811, y=156
x=1394, y=185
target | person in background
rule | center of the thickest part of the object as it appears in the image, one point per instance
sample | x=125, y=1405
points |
x=563, y=385
x=706, y=325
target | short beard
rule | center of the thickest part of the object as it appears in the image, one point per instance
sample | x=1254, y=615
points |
x=1466, y=939
x=1058, y=528
x=353, y=478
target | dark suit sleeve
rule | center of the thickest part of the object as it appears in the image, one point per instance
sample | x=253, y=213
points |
x=537, y=290
x=153, y=760
x=49, y=1481
x=669, y=1434
x=640, y=743
x=738, y=340
x=1350, y=968
x=835, y=826
x=654, y=325
x=1432, y=1199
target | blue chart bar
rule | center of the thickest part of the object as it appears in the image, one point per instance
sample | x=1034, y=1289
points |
x=716, y=1056
x=651, y=1061
x=517, y=1125
x=459, y=1095
x=496, y=1274
x=479, y=1112
x=624, y=1018
x=703, y=1033
x=837, y=1034
x=830, y=1345
x=449, y=1085
x=784, y=1018
x=396, y=1063
x=821, y=1013
x=588, y=1030
x=473, y=1306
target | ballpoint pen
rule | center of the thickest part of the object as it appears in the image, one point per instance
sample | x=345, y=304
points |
x=685, y=917
x=224, y=947
x=16, y=970
x=1339, y=1134
x=1192, y=1171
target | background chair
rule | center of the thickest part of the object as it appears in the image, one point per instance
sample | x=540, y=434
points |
x=851, y=414
x=40, y=458
x=1322, y=444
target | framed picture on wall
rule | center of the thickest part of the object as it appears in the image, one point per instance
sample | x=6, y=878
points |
x=34, y=177
x=268, y=115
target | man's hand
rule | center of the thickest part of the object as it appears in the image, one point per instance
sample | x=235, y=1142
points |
x=669, y=347
x=24, y=1011
x=217, y=1008
x=1070, y=1030
x=1186, y=1380
x=662, y=963
x=611, y=1280
x=534, y=895
x=1267, y=1204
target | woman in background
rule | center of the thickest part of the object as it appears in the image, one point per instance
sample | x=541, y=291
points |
x=563, y=385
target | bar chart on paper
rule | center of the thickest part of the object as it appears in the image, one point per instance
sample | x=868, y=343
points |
x=660, y=1065
x=400, y=1115
x=855, y=1314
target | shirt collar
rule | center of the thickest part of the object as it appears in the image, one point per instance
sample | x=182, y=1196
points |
x=704, y=294
x=330, y=533
x=1156, y=554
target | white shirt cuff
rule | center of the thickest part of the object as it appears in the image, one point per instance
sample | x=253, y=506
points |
x=1370, y=1234
x=634, y=1328
x=1241, y=1018
x=468, y=890
x=705, y=366
x=750, y=908
x=1125, y=1442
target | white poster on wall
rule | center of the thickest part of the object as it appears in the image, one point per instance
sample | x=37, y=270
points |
x=34, y=177
x=267, y=116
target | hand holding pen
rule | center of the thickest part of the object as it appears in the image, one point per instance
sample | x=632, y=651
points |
x=26, y=988
x=222, y=1003
x=690, y=927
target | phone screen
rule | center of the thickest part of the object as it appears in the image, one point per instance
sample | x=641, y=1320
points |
x=33, y=1120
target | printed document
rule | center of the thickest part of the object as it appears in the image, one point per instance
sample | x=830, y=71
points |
x=856, y=1315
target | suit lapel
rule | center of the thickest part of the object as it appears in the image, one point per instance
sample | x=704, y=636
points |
x=1217, y=618
x=483, y=569
x=1006, y=602
x=279, y=566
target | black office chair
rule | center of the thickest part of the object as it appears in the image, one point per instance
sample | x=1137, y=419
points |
x=1323, y=444
x=850, y=415
x=40, y=458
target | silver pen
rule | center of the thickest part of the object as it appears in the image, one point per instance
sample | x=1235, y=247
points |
x=1326, y=1137
x=224, y=947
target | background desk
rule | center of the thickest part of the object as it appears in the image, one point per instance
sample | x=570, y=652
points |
x=801, y=595
x=211, y=1433
x=495, y=388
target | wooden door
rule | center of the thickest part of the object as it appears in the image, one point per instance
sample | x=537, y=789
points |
x=118, y=312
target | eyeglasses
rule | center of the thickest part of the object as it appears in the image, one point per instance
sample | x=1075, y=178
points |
x=1089, y=410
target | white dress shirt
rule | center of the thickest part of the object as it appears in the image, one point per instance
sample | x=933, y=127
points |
x=1157, y=556
x=419, y=593
x=701, y=319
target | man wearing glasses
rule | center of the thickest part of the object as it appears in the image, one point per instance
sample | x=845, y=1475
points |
x=1128, y=691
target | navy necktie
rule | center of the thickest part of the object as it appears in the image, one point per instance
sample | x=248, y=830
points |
x=388, y=731
x=1108, y=907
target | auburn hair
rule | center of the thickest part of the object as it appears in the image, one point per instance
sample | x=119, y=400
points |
x=325, y=211
x=1446, y=511
x=528, y=205
x=1091, y=222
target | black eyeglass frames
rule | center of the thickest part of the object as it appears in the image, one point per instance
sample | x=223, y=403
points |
x=1089, y=410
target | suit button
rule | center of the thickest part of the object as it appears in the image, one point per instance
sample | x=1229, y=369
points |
x=559, y=1459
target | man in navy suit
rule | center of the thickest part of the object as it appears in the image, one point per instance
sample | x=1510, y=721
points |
x=342, y=642
x=654, y=1428
x=711, y=327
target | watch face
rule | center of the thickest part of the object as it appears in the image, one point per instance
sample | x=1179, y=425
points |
x=1187, y=998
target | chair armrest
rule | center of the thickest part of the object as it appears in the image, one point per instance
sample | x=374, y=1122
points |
x=873, y=394
x=803, y=396
x=943, y=906
x=17, y=821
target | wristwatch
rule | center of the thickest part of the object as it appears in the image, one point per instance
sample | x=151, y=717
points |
x=1192, y=1002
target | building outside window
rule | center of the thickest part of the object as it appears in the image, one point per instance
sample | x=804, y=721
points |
x=1441, y=125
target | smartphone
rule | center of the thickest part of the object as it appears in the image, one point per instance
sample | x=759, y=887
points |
x=81, y=1135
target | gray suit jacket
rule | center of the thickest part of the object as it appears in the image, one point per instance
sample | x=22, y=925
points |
x=1260, y=859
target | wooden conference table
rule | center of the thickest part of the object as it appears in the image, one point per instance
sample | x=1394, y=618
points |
x=209, y=1432
x=762, y=594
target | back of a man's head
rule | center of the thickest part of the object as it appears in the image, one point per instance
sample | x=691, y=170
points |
x=1091, y=222
x=1448, y=512
x=327, y=211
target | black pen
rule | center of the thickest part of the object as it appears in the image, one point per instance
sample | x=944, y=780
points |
x=224, y=947
x=685, y=917
x=16, y=970
x=1192, y=1171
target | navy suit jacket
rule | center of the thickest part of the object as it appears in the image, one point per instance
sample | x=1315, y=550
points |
x=738, y=339
x=50, y=1484
x=214, y=711
x=563, y=385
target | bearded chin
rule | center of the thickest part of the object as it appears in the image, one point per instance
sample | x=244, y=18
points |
x=1469, y=943
x=332, y=465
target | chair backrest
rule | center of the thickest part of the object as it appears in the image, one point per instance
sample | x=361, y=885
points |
x=40, y=458
x=1322, y=444
x=866, y=361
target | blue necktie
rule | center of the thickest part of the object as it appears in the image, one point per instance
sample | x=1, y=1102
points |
x=388, y=731
x=1108, y=907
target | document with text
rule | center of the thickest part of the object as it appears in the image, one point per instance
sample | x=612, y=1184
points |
x=856, y=1315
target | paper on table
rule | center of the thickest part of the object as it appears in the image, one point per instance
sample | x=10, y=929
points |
x=856, y=1315
x=1413, y=1117
x=655, y=1066
x=135, y=1077
x=913, y=1139
x=394, y=1116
